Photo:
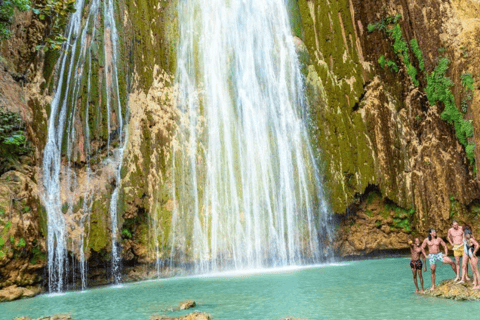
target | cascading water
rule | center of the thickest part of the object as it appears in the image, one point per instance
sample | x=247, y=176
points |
x=246, y=187
x=75, y=78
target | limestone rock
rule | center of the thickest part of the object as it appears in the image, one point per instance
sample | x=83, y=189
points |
x=192, y=316
x=11, y=293
x=54, y=317
x=188, y=304
x=450, y=290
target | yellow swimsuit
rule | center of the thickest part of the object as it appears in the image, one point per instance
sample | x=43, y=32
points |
x=458, y=250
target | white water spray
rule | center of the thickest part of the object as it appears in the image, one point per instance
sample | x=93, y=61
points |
x=81, y=32
x=246, y=187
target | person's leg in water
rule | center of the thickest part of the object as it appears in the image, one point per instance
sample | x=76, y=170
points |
x=433, y=267
x=464, y=269
x=414, y=273
x=420, y=275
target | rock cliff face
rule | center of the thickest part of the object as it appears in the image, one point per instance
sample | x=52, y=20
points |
x=392, y=166
x=377, y=129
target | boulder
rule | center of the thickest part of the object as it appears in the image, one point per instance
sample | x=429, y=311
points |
x=61, y=316
x=13, y=292
x=448, y=289
x=188, y=304
x=192, y=316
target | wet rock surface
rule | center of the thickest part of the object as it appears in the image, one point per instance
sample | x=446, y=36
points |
x=13, y=292
x=187, y=304
x=448, y=289
x=54, y=317
x=191, y=316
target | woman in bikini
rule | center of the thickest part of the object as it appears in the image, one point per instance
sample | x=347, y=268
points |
x=470, y=247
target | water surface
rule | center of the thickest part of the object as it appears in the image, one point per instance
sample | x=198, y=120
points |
x=372, y=289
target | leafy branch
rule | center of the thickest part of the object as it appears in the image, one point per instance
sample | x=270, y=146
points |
x=55, y=13
x=7, y=11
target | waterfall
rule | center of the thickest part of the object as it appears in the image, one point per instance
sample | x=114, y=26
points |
x=246, y=186
x=69, y=108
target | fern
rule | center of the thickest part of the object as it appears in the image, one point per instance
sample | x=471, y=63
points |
x=418, y=54
x=470, y=150
x=467, y=81
x=381, y=61
x=21, y=243
x=392, y=66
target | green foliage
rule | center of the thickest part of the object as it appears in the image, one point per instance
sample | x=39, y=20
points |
x=21, y=243
x=7, y=227
x=381, y=61
x=37, y=255
x=7, y=11
x=2, y=242
x=402, y=219
x=470, y=150
x=467, y=81
x=12, y=139
x=372, y=196
x=400, y=48
x=417, y=53
x=126, y=233
x=391, y=26
x=412, y=72
x=55, y=13
x=438, y=90
x=393, y=66
x=371, y=27
x=438, y=85
x=403, y=224
x=12, y=240
x=383, y=24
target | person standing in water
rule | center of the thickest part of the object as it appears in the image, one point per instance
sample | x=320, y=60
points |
x=455, y=237
x=435, y=255
x=416, y=263
x=470, y=247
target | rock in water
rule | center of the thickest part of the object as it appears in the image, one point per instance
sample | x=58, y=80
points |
x=188, y=304
x=61, y=316
x=450, y=290
x=192, y=316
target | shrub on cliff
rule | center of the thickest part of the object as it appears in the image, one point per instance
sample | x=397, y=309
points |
x=12, y=139
x=7, y=10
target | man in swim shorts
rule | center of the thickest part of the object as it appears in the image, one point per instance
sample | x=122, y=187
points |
x=455, y=237
x=435, y=255
x=416, y=263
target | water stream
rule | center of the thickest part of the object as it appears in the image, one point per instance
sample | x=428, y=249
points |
x=247, y=189
x=74, y=80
